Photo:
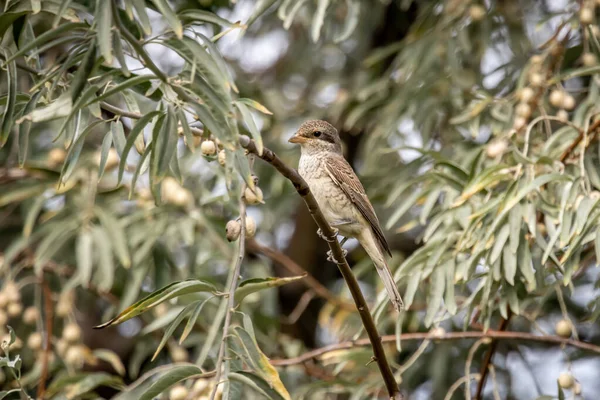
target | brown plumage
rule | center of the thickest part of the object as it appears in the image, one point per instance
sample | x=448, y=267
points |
x=341, y=196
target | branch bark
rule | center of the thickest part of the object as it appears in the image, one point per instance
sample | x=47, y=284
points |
x=361, y=304
x=495, y=335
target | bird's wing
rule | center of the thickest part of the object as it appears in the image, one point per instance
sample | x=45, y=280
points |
x=342, y=174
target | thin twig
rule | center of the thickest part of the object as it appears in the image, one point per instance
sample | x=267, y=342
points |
x=488, y=359
x=361, y=304
x=231, y=295
x=310, y=281
x=496, y=335
x=592, y=130
x=48, y=315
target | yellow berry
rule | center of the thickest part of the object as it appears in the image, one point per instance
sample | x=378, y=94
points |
x=14, y=309
x=477, y=12
x=232, y=230
x=178, y=392
x=208, y=148
x=30, y=315
x=12, y=292
x=112, y=159
x=496, y=148
x=75, y=355
x=34, y=341
x=250, y=227
x=565, y=380
x=519, y=123
x=222, y=157
x=562, y=115
x=577, y=389
x=71, y=332
x=589, y=59
x=526, y=94
x=523, y=110
x=586, y=15
x=564, y=328
x=568, y=102
x=557, y=97
x=253, y=197
x=536, y=79
x=56, y=156
x=179, y=354
x=3, y=318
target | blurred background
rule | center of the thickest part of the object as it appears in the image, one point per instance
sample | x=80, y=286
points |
x=471, y=124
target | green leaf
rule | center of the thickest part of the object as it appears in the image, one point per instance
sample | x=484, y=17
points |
x=46, y=37
x=11, y=95
x=112, y=358
x=257, y=284
x=25, y=128
x=59, y=108
x=255, y=104
x=436, y=293
x=83, y=252
x=103, y=16
x=204, y=16
x=140, y=8
x=251, y=125
x=165, y=143
x=153, y=299
x=259, y=8
x=176, y=373
x=84, y=70
x=116, y=235
x=169, y=331
x=64, y=4
x=137, y=129
x=351, y=21
x=105, y=149
x=118, y=49
x=133, y=81
x=260, y=363
x=75, y=151
x=318, y=19
x=165, y=9
x=257, y=383
x=105, y=274
x=192, y=320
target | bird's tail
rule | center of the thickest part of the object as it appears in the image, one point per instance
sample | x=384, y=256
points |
x=377, y=256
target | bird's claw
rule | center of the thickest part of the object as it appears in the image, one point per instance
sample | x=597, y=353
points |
x=324, y=237
x=331, y=258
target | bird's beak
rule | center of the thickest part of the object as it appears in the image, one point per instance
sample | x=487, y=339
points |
x=298, y=139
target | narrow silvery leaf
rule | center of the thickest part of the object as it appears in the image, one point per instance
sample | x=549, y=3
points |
x=104, y=29
x=165, y=9
x=319, y=19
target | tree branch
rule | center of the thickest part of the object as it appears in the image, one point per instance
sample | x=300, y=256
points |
x=361, y=304
x=309, y=281
x=495, y=335
x=488, y=359
x=231, y=296
x=48, y=315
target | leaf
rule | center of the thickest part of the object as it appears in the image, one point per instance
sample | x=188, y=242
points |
x=116, y=235
x=91, y=381
x=192, y=320
x=169, y=331
x=105, y=274
x=255, y=104
x=46, y=37
x=257, y=284
x=75, y=151
x=112, y=358
x=204, y=16
x=83, y=252
x=261, y=363
x=59, y=108
x=509, y=261
x=153, y=299
x=251, y=125
x=165, y=9
x=11, y=95
x=84, y=70
x=318, y=19
x=137, y=129
x=64, y=4
x=164, y=137
x=25, y=128
x=260, y=7
x=133, y=81
x=103, y=15
x=411, y=288
x=257, y=383
x=104, y=150
x=449, y=299
x=436, y=293
x=176, y=373
x=351, y=21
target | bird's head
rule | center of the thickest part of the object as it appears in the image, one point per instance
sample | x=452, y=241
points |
x=318, y=135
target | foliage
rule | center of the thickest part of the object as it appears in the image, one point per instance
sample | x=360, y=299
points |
x=473, y=126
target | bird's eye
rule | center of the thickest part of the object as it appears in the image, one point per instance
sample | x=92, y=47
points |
x=317, y=133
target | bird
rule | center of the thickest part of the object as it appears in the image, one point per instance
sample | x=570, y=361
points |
x=341, y=197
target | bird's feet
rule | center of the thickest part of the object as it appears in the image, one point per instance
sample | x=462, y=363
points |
x=331, y=258
x=324, y=237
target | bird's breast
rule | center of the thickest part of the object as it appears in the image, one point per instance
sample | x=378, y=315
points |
x=334, y=203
